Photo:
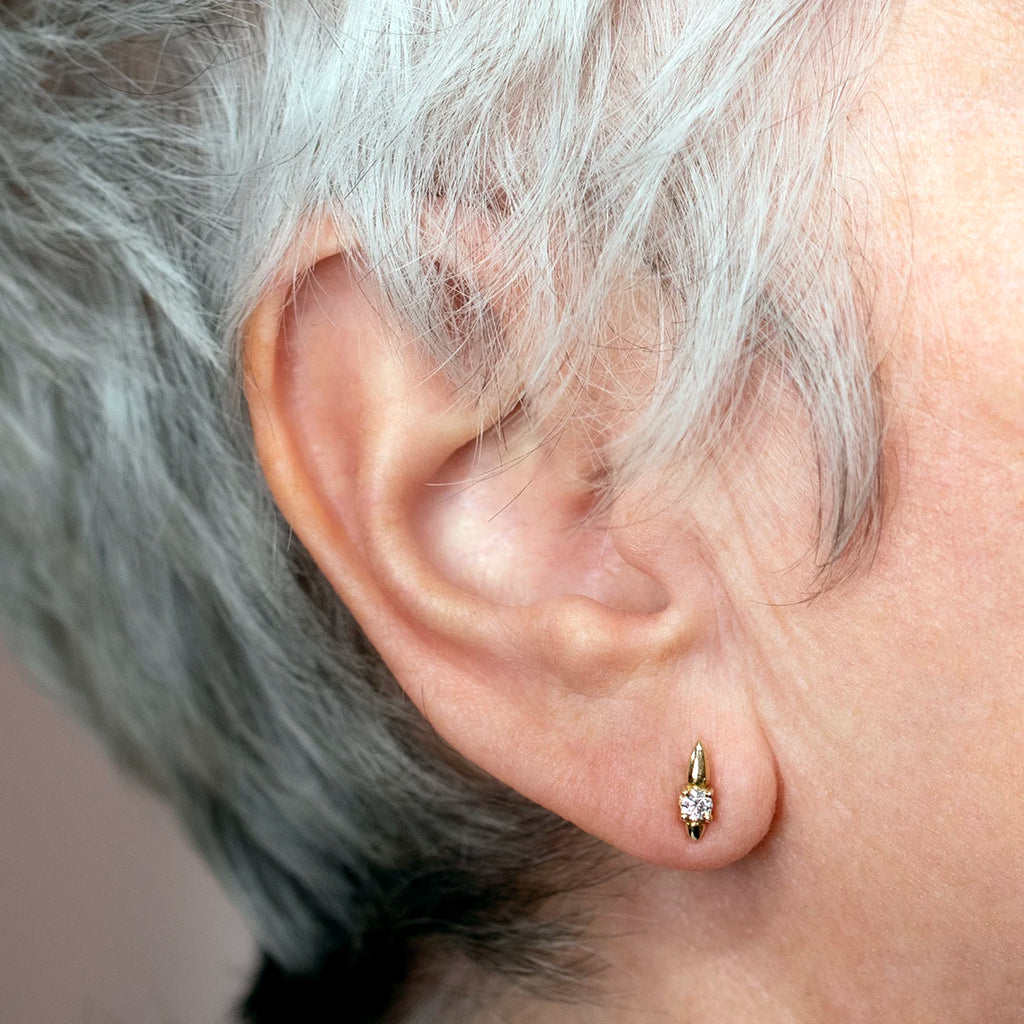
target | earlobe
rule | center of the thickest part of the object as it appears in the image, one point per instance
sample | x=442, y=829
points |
x=464, y=542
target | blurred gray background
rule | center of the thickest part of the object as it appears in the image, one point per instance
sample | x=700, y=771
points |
x=106, y=916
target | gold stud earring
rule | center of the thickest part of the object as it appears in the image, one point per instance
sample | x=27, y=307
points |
x=697, y=799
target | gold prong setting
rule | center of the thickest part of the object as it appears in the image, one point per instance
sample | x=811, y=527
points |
x=697, y=799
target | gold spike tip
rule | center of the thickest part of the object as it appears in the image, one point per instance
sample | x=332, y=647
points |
x=695, y=829
x=698, y=766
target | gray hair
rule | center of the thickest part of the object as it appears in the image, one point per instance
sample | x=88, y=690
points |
x=156, y=160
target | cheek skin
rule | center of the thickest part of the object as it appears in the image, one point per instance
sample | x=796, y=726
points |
x=902, y=690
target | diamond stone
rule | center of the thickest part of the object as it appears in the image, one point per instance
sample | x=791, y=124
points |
x=696, y=804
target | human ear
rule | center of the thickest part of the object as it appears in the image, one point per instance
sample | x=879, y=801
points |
x=575, y=654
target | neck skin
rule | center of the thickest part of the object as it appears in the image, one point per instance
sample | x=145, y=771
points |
x=891, y=886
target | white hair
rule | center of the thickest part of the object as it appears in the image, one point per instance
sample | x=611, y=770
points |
x=158, y=158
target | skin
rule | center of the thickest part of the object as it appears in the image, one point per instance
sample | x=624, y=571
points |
x=865, y=859
x=891, y=883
